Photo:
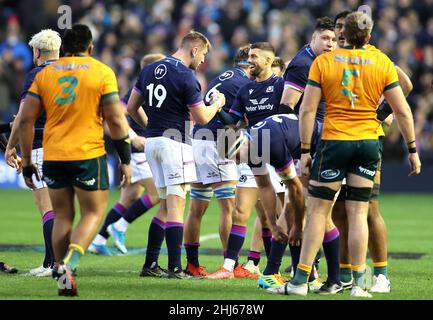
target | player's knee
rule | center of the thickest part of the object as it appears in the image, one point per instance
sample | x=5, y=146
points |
x=204, y=194
x=225, y=191
x=177, y=190
x=375, y=192
x=321, y=192
x=358, y=194
x=240, y=215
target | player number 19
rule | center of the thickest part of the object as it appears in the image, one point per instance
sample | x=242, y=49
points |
x=159, y=92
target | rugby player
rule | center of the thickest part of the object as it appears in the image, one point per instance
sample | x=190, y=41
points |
x=216, y=175
x=78, y=93
x=46, y=49
x=349, y=147
x=255, y=101
x=132, y=203
x=322, y=40
x=169, y=91
x=377, y=243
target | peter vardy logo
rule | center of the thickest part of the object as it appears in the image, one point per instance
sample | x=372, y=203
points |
x=330, y=174
x=270, y=89
x=160, y=71
x=366, y=171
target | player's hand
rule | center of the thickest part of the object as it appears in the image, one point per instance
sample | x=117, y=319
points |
x=279, y=234
x=138, y=143
x=305, y=164
x=218, y=97
x=295, y=236
x=125, y=173
x=12, y=159
x=415, y=164
x=28, y=172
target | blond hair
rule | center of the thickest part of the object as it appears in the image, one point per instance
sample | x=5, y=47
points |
x=46, y=40
x=195, y=37
x=150, y=58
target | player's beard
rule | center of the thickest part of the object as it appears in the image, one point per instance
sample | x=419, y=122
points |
x=256, y=71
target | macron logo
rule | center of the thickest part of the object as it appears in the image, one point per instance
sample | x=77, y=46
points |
x=270, y=89
x=251, y=91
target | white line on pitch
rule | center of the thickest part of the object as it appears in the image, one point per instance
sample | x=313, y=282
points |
x=209, y=237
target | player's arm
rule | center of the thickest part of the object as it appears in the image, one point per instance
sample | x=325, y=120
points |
x=384, y=111
x=307, y=114
x=404, y=118
x=134, y=108
x=295, y=81
x=25, y=125
x=289, y=100
x=118, y=125
x=202, y=114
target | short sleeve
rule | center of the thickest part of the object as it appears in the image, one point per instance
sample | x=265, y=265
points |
x=28, y=80
x=192, y=90
x=296, y=77
x=238, y=107
x=391, y=76
x=34, y=89
x=109, y=84
x=314, y=77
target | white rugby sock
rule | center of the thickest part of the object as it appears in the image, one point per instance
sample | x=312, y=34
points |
x=229, y=264
x=121, y=225
x=99, y=240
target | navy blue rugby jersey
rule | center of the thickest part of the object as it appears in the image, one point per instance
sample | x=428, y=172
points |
x=296, y=77
x=139, y=130
x=228, y=83
x=170, y=89
x=40, y=122
x=258, y=100
x=284, y=143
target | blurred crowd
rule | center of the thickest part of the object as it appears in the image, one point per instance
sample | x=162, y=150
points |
x=125, y=30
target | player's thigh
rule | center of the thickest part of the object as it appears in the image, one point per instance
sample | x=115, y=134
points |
x=140, y=169
x=153, y=156
x=62, y=200
x=92, y=202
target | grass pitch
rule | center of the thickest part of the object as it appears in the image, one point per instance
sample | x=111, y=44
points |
x=408, y=217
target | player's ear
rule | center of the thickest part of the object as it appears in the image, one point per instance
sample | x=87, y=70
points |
x=90, y=49
x=194, y=52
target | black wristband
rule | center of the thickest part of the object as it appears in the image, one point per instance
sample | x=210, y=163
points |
x=5, y=128
x=123, y=148
x=285, y=109
x=305, y=150
x=412, y=150
x=28, y=171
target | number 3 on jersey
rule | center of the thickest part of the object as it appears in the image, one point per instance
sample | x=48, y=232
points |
x=68, y=90
x=159, y=92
